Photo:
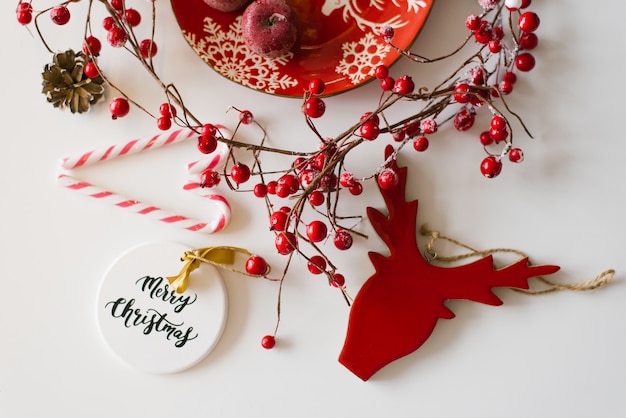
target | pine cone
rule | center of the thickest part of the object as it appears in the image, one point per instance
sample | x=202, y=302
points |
x=66, y=85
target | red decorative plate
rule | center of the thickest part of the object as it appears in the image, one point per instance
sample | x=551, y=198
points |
x=339, y=42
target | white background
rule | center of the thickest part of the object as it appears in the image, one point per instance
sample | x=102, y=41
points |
x=560, y=354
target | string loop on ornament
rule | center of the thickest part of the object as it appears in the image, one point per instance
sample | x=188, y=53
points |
x=431, y=255
x=220, y=256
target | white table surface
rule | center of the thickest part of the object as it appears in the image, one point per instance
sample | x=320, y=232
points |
x=558, y=355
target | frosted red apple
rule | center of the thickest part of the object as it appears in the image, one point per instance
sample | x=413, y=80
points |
x=270, y=27
x=227, y=5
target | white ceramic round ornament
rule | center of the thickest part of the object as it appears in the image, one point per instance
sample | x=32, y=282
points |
x=146, y=323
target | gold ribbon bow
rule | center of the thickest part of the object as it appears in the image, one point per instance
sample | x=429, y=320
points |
x=222, y=257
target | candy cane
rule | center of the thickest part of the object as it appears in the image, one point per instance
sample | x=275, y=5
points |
x=131, y=147
x=138, y=145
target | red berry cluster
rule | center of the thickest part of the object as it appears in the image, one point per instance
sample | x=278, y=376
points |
x=491, y=73
x=120, y=32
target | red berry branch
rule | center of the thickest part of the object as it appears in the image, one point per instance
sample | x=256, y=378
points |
x=303, y=199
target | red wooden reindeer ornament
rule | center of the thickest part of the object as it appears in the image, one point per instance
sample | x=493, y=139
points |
x=398, y=307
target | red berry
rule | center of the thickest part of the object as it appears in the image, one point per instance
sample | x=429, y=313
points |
x=108, y=23
x=369, y=130
x=510, y=77
x=317, y=86
x=314, y=107
x=528, y=22
x=119, y=107
x=316, y=198
x=208, y=130
x=240, y=173
x=356, y=189
x=338, y=280
x=91, y=70
x=387, y=83
x=260, y=190
x=167, y=110
x=494, y=46
x=148, y=48
x=278, y=221
x=461, y=93
x=525, y=3
x=268, y=342
x=381, y=72
x=117, y=4
x=420, y=143
x=24, y=7
x=133, y=17
x=404, y=85
x=207, y=144
x=387, y=179
x=399, y=135
x=498, y=135
x=464, y=119
x=291, y=181
x=117, y=37
x=60, y=15
x=164, y=123
x=92, y=46
x=485, y=138
x=316, y=231
x=505, y=87
x=299, y=163
x=308, y=176
x=387, y=33
x=342, y=240
x=317, y=264
x=477, y=76
x=246, y=117
x=473, y=22
x=286, y=243
x=498, y=123
x=370, y=116
x=484, y=34
x=346, y=179
x=498, y=33
x=491, y=166
x=271, y=187
x=528, y=41
x=428, y=126
x=328, y=182
x=525, y=61
x=209, y=178
x=282, y=190
x=256, y=265
x=516, y=155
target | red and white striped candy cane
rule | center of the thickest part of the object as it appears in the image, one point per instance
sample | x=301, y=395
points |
x=219, y=221
x=131, y=147
x=213, y=161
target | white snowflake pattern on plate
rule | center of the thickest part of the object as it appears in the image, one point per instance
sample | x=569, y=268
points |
x=360, y=58
x=225, y=51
